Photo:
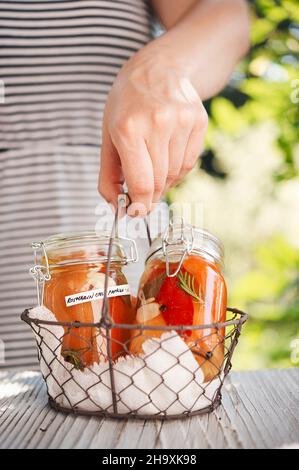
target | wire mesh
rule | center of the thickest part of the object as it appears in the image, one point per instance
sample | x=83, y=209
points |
x=180, y=373
x=160, y=372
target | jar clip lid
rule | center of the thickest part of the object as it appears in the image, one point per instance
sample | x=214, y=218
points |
x=185, y=237
x=40, y=272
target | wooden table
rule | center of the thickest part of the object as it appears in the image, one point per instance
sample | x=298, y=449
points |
x=259, y=410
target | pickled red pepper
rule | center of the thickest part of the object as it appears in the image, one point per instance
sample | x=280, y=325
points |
x=196, y=295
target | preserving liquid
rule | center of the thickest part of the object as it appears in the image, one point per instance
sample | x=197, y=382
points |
x=195, y=296
x=85, y=345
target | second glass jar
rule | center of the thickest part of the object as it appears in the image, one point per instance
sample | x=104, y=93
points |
x=183, y=285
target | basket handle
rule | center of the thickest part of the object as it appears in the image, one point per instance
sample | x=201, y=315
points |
x=106, y=320
x=105, y=316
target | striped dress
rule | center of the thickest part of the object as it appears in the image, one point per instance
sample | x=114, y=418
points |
x=58, y=60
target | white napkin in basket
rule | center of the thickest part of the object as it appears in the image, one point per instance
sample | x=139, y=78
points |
x=165, y=378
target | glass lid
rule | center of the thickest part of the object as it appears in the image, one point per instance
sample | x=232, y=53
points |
x=180, y=237
x=88, y=246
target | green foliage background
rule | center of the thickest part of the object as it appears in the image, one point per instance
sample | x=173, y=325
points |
x=248, y=184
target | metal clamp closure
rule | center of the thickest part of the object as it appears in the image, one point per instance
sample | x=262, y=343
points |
x=39, y=272
x=169, y=240
x=133, y=256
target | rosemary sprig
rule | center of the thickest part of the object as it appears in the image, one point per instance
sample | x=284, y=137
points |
x=187, y=283
x=74, y=357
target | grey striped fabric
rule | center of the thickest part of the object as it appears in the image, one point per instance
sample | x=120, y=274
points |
x=58, y=60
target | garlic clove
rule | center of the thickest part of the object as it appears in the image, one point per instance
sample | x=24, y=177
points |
x=148, y=301
x=97, y=280
x=97, y=306
x=147, y=312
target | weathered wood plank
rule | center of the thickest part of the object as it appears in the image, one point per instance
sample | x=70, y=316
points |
x=259, y=410
x=82, y=441
x=68, y=432
x=52, y=423
x=242, y=416
x=149, y=435
x=38, y=432
x=173, y=435
x=130, y=435
x=22, y=394
x=26, y=426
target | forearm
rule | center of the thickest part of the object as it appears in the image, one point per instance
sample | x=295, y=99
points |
x=207, y=43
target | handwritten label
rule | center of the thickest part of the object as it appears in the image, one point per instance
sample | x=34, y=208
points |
x=96, y=294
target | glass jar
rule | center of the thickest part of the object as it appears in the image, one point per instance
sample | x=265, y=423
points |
x=183, y=285
x=70, y=271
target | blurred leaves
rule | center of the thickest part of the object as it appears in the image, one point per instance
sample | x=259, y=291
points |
x=276, y=269
x=226, y=116
x=264, y=86
x=261, y=29
x=248, y=184
x=270, y=292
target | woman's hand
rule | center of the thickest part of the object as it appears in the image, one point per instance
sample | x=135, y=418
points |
x=154, y=121
x=153, y=129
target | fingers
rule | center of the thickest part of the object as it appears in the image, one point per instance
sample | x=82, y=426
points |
x=150, y=147
x=185, y=120
x=158, y=152
x=111, y=177
x=137, y=168
x=195, y=143
x=193, y=146
x=177, y=146
x=193, y=150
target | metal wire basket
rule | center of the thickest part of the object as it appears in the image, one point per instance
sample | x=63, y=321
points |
x=179, y=374
x=162, y=383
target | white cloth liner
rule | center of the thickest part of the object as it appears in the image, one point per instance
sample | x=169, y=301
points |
x=138, y=380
